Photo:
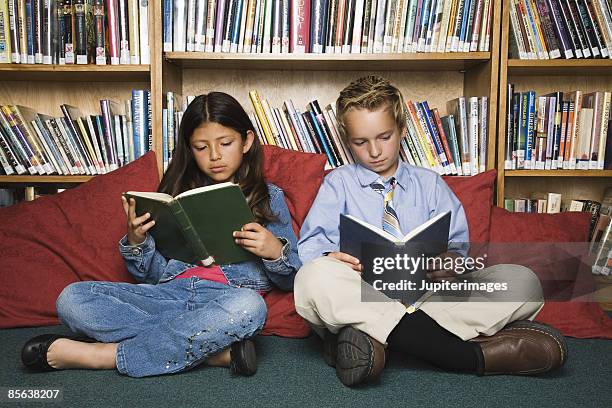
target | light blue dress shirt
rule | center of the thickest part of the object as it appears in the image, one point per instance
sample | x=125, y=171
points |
x=420, y=194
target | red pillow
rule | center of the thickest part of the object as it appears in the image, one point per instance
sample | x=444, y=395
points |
x=575, y=318
x=476, y=195
x=53, y=241
x=298, y=174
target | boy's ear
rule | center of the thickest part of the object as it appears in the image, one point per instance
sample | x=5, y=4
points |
x=250, y=137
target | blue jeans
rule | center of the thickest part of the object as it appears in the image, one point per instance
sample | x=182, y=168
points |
x=163, y=328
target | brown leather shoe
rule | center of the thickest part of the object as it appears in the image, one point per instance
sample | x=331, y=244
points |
x=523, y=348
x=360, y=358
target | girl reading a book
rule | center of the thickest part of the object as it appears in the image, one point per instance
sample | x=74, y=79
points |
x=182, y=315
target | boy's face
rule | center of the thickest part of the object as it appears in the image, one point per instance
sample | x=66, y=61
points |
x=374, y=139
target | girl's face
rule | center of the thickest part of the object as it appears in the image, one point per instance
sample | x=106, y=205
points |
x=218, y=150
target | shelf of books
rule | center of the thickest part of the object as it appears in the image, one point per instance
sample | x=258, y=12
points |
x=555, y=133
x=441, y=55
x=75, y=89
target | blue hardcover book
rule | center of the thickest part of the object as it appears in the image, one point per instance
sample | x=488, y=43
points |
x=165, y=138
x=139, y=122
x=433, y=131
x=464, y=22
x=29, y=9
x=318, y=19
x=531, y=124
x=168, y=6
x=237, y=24
x=321, y=138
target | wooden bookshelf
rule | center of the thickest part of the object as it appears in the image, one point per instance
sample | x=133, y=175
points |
x=435, y=77
x=45, y=87
x=545, y=76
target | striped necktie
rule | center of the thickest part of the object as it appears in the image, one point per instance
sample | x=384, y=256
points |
x=390, y=220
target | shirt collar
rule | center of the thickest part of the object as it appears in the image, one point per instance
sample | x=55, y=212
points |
x=367, y=176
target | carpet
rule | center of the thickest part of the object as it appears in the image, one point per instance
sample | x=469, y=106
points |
x=291, y=373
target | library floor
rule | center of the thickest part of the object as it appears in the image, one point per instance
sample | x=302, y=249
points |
x=292, y=373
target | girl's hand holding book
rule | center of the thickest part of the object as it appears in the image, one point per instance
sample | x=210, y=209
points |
x=256, y=239
x=137, y=226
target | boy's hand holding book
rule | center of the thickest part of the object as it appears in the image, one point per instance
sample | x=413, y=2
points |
x=259, y=241
x=137, y=226
x=350, y=260
x=442, y=274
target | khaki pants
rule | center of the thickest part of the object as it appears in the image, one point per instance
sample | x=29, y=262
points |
x=328, y=295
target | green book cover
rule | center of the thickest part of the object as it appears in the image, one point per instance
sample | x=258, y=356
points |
x=197, y=225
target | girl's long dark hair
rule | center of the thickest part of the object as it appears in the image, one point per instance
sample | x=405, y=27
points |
x=183, y=173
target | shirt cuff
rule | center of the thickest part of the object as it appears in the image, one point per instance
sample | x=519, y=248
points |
x=128, y=250
x=282, y=262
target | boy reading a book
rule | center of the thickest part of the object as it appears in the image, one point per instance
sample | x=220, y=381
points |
x=483, y=337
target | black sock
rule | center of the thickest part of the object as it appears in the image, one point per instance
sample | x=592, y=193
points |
x=420, y=336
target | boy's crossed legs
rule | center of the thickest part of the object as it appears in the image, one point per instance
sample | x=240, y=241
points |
x=329, y=295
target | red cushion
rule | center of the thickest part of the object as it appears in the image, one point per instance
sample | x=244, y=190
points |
x=56, y=240
x=299, y=175
x=576, y=318
x=476, y=196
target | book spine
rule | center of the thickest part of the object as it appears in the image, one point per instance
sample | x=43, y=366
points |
x=550, y=37
x=357, y=27
x=191, y=25
x=143, y=34
x=12, y=158
x=22, y=150
x=603, y=22
x=605, y=119
x=37, y=8
x=509, y=127
x=20, y=138
x=210, y=26
x=133, y=24
x=325, y=132
x=190, y=234
x=277, y=29
x=483, y=116
x=599, y=36
x=167, y=25
x=587, y=26
x=267, y=27
x=444, y=139
x=560, y=29
x=576, y=19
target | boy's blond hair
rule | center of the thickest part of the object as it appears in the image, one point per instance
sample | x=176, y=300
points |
x=370, y=92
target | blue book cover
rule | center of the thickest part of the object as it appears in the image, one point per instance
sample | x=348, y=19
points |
x=29, y=9
x=165, y=138
x=433, y=131
x=531, y=124
x=167, y=25
x=321, y=138
x=237, y=23
x=464, y=21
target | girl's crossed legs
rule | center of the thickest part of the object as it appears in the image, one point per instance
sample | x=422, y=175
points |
x=157, y=329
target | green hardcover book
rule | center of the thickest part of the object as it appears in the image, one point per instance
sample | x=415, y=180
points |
x=197, y=225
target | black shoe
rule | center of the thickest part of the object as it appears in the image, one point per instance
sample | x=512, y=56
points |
x=34, y=351
x=330, y=348
x=243, y=359
x=360, y=358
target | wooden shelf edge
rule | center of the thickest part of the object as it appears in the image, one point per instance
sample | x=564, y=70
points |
x=75, y=73
x=407, y=61
x=558, y=173
x=73, y=68
x=24, y=179
x=559, y=67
